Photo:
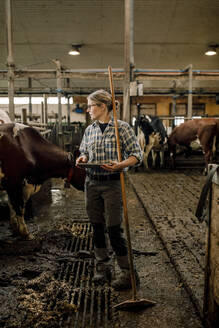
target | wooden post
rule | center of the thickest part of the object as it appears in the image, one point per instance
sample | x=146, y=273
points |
x=128, y=58
x=189, y=113
x=24, y=116
x=173, y=112
x=42, y=112
x=10, y=60
x=30, y=100
x=173, y=106
x=211, y=292
x=59, y=95
x=45, y=108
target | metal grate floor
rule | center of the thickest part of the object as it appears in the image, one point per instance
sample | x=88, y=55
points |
x=91, y=305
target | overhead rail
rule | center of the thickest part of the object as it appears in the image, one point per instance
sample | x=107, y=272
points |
x=81, y=91
x=71, y=73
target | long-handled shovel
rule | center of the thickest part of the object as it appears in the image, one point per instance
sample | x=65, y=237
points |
x=134, y=303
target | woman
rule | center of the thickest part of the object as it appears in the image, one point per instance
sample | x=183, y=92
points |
x=102, y=186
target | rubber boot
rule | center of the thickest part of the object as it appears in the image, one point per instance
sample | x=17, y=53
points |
x=123, y=281
x=103, y=273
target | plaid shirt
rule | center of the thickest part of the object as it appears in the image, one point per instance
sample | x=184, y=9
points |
x=102, y=148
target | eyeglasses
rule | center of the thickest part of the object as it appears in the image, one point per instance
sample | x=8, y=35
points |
x=89, y=106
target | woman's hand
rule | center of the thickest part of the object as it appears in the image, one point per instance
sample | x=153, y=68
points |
x=113, y=166
x=81, y=159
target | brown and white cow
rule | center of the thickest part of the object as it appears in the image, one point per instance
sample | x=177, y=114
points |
x=198, y=131
x=26, y=161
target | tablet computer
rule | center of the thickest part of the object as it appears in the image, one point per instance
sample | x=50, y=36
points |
x=91, y=165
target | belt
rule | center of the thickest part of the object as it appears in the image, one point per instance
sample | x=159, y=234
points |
x=108, y=177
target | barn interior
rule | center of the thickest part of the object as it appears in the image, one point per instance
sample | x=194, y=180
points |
x=164, y=58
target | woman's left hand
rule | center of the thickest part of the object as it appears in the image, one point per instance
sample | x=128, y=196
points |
x=113, y=166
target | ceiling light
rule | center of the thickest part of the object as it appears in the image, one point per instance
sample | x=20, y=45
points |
x=75, y=50
x=212, y=50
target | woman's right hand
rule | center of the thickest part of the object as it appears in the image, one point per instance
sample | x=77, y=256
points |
x=81, y=159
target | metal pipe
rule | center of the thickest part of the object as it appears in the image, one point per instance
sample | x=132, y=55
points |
x=118, y=70
x=10, y=60
x=68, y=111
x=59, y=94
x=118, y=92
x=132, y=34
x=68, y=104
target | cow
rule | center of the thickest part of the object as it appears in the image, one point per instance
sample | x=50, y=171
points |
x=26, y=161
x=204, y=132
x=152, y=136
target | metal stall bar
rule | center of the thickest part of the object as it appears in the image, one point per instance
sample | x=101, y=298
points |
x=128, y=58
x=24, y=116
x=45, y=109
x=10, y=59
x=42, y=112
x=68, y=104
x=30, y=99
x=59, y=95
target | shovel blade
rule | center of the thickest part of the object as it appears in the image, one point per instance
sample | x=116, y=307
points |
x=134, y=305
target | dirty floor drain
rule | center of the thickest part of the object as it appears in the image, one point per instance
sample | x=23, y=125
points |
x=82, y=237
x=90, y=305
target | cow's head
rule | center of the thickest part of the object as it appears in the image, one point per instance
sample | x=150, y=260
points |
x=145, y=125
x=76, y=176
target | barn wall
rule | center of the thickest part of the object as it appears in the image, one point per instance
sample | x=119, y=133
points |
x=163, y=108
x=212, y=109
x=163, y=103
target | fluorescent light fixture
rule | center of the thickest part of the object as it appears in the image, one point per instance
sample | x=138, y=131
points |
x=212, y=50
x=75, y=50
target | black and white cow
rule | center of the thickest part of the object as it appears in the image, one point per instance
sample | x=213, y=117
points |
x=151, y=136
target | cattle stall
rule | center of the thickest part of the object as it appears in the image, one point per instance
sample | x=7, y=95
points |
x=155, y=136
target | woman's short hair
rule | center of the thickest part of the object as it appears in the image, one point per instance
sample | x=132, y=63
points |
x=102, y=96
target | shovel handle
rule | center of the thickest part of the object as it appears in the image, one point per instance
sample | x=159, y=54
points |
x=122, y=181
